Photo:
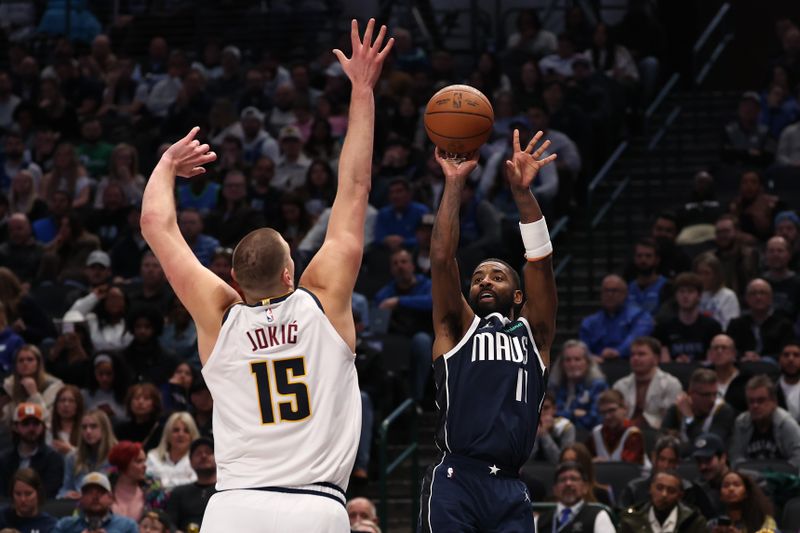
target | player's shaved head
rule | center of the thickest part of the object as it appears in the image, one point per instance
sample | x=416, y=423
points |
x=259, y=261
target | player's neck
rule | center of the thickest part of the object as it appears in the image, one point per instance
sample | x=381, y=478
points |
x=271, y=294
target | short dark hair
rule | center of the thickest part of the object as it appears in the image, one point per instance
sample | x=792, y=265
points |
x=667, y=441
x=650, y=342
x=763, y=380
x=688, y=280
x=258, y=260
x=703, y=376
x=791, y=342
x=402, y=182
x=672, y=473
x=648, y=242
x=567, y=466
x=611, y=396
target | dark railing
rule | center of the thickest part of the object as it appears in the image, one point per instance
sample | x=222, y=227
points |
x=386, y=468
x=592, y=232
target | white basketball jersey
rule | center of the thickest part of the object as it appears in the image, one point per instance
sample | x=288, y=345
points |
x=287, y=407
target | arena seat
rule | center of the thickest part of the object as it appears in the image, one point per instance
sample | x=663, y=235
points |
x=59, y=508
x=614, y=369
x=617, y=474
x=538, y=476
x=764, y=465
x=682, y=371
x=755, y=368
x=790, y=521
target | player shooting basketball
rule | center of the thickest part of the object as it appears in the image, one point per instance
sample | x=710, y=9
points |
x=489, y=365
x=287, y=409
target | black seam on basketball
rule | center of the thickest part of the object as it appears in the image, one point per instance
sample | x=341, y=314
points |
x=457, y=112
x=430, y=131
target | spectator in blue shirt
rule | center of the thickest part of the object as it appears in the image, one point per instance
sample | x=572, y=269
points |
x=202, y=245
x=94, y=510
x=610, y=331
x=397, y=223
x=648, y=289
x=577, y=382
x=10, y=342
x=24, y=514
x=409, y=298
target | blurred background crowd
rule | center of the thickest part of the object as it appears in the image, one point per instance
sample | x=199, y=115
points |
x=689, y=364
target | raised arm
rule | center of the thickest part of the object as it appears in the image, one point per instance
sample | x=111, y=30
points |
x=332, y=273
x=451, y=312
x=205, y=295
x=541, y=300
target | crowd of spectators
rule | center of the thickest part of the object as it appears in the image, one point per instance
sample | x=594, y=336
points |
x=689, y=368
x=99, y=360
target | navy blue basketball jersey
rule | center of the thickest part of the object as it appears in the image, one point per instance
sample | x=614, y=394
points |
x=489, y=390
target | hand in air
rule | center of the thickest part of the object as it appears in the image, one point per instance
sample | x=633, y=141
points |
x=188, y=156
x=525, y=164
x=364, y=67
x=456, y=169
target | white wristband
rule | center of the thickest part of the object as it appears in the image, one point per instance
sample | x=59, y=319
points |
x=536, y=239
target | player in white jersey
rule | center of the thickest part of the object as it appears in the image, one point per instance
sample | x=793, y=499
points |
x=280, y=363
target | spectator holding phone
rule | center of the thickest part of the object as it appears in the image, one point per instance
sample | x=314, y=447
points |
x=747, y=508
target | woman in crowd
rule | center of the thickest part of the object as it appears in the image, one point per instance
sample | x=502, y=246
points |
x=70, y=357
x=554, y=433
x=180, y=334
x=580, y=454
x=144, y=357
x=108, y=385
x=754, y=207
x=123, y=169
x=143, y=405
x=577, y=381
x=23, y=196
x=717, y=301
x=169, y=461
x=65, y=256
x=746, y=506
x=321, y=144
x=135, y=493
x=105, y=309
x=610, y=58
x=30, y=383
x=155, y=522
x=67, y=175
x=296, y=221
x=65, y=427
x=91, y=455
x=175, y=393
x=10, y=342
x=24, y=513
x=319, y=189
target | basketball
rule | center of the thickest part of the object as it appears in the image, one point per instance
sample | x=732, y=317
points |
x=459, y=119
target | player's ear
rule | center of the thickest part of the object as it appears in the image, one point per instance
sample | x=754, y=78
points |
x=287, y=277
x=518, y=296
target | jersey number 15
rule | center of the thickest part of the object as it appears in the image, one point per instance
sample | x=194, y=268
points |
x=299, y=406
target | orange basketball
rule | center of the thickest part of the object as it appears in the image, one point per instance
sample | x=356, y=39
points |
x=459, y=119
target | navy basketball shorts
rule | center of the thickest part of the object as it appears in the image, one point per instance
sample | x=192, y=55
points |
x=465, y=495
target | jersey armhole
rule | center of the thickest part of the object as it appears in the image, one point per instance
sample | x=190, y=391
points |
x=533, y=341
x=228, y=312
x=313, y=297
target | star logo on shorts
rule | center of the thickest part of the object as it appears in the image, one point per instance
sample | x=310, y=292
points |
x=493, y=470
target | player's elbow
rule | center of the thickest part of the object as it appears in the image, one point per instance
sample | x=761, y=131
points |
x=152, y=224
